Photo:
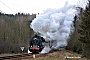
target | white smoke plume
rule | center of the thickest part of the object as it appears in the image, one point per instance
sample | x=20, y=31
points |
x=56, y=25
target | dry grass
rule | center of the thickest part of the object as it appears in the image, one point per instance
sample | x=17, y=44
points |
x=58, y=55
x=55, y=55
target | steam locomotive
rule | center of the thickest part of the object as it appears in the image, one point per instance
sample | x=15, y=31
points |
x=36, y=44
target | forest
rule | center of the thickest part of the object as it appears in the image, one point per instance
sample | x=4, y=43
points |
x=16, y=32
x=80, y=40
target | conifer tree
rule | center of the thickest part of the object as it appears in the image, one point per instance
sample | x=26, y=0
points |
x=84, y=30
x=85, y=26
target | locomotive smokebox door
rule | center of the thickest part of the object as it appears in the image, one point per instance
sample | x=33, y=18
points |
x=36, y=44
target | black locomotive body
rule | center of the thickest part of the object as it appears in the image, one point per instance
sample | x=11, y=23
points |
x=36, y=44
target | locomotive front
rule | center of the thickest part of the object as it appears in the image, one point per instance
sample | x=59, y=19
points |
x=36, y=44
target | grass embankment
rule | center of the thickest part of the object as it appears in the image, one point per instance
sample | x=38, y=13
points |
x=59, y=55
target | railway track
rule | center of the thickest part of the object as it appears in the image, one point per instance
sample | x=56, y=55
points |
x=16, y=57
x=20, y=56
x=23, y=56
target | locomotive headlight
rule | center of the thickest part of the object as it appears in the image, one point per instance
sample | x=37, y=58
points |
x=38, y=46
x=30, y=46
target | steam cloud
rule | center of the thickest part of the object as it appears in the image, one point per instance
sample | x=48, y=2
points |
x=56, y=25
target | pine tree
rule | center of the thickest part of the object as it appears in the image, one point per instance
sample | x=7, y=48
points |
x=84, y=30
x=85, y=26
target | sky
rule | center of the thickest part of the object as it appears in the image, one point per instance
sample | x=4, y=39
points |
x=33, y=6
